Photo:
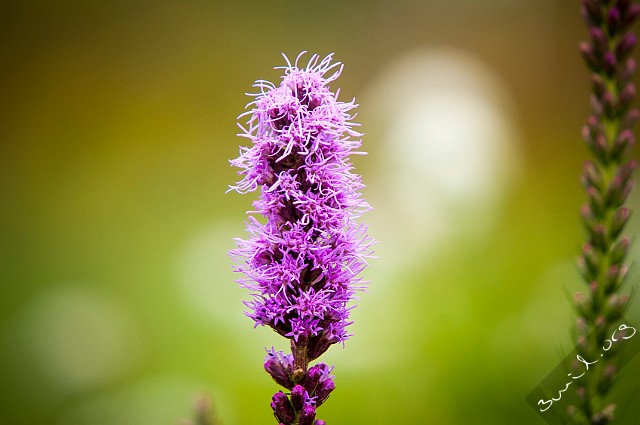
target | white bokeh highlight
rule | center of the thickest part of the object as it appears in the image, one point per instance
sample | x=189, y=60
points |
x=441, y=130
x=449, y=150
x=78, y=338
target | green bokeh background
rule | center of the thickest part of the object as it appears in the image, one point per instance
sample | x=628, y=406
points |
x=117, y=121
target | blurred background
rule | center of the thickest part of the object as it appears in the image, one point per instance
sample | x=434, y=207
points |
x=117, y=121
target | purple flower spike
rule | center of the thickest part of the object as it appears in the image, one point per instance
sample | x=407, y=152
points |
x=302, y=263
x=303, y=259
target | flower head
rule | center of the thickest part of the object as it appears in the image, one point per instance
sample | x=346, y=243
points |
x=302, y=260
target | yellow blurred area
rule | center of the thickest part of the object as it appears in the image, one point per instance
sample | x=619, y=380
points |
x=117, y=121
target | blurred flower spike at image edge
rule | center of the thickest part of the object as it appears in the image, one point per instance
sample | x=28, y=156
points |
x=302, y=262
x=202, y=412
x=607, y=180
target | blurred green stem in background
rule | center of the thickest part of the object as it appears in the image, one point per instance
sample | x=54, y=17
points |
x=608, y=181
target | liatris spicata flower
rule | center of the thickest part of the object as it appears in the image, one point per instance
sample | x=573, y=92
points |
x=608, y=181
x=302, y=263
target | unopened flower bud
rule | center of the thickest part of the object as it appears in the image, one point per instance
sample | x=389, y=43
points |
x=280, y=367
x=307, y=415
x=598, y=145
x=597, y=105
x=625, y=46
x=598, y=41
x=626, y=191
x=319, y=422
x=585, y=270
x=298, y=397
x=620, y=250
x=628, y=71
x=614, y=21
x=599, y=238
x=582, y=348
x=631, y=119
x=614, y=277
x=626, y=171
x=324, y=389
x=582, y=303
x=621, y=145
x=581, y=342
x=587, y=134
x=581, y=325
x=593, y=287
x=618, y=191
x=314, y=375
x=605, y=416
x=595, y=202
x=610, y=411
x=282, y=409
x=592, y=12
x=609, y=104
x=589, y=57
x=631, y=15
x=594, y=124
x=591, y=258
x=616, y=305
x=619, y=220
x=609, y=63
x=572, y=411
x=626, y=97
x=591, y=175
x=587, y=217
x=598, y=85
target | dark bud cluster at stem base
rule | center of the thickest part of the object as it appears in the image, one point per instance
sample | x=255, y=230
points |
x=305, y=395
